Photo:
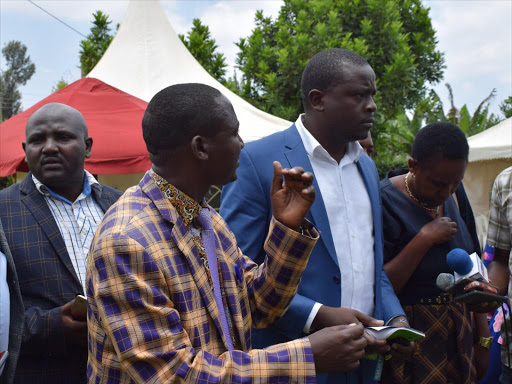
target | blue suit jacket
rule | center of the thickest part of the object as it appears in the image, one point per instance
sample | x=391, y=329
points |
x=246, y=207
x=47, y=281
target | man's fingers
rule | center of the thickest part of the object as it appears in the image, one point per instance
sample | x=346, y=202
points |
x=379, y=346
x=309, y=191
x=277, y=180
x=359, y=355
x=354, y=330
x=307, y=178
x=368, y=320
x=297, y=170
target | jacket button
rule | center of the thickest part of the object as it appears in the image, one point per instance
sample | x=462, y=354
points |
x=336, y=279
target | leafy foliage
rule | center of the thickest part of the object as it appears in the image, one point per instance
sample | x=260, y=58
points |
x=203, y=48
x=6, y=181
x=506, y=107
x=397, y=135
x=395, y=36
x=19, y=70
x=59, y=85
x=471, y=125
x=97, y=42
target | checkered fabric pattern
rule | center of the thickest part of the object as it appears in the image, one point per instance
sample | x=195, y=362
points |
x=47, y=282
x=445, y=355
x=152, y=314
x=499, y=235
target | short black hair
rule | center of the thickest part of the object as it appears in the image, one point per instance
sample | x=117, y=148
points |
x=178, y=113
x=325, y=70
x=440, y=138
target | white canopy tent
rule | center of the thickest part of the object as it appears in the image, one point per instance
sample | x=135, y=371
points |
x=490, y=152
x=147, y=55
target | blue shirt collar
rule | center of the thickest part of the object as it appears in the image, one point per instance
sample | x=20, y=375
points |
x=86, y=191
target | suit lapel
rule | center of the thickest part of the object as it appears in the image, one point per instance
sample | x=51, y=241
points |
x=36, y=204
x=297, y=156
x=101, y=198
x=184, y=240
x=373, y=192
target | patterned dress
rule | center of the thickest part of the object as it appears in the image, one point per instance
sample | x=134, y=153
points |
x=446, y=354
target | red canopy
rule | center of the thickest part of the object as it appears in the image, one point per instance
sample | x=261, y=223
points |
x=114, y=121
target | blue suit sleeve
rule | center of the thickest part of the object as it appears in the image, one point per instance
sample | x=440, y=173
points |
x=246, y=207
x=293, y=321
x=390, y=304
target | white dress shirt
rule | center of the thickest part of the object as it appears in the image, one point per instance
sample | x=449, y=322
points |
x=350, y=217
x=77, y=221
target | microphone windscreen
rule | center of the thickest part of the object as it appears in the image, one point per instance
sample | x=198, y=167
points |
x=445, y=281
x=458, y=260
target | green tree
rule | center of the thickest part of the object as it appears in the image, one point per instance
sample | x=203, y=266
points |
x=472, y=124
x=59, y=85
x=203, y=47
x=19, y=70
x=97, y=42
x=398, y=134
x=395, y=36
x=6, y=182
x=506, y=107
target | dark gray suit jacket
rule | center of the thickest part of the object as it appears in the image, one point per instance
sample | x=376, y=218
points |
x=16, y=313
x=48, y=281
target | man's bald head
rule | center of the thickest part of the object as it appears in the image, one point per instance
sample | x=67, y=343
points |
x=56, y=147
x=56, y=112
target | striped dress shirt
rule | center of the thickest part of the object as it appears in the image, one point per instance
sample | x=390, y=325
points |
x=77, y=221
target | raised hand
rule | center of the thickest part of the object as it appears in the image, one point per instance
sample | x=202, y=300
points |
x=291, y=198
x=440, y=230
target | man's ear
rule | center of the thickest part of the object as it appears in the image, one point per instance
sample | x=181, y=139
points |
x=413, y=165
x=199, y=147
x=316, y=100
x=88, y=147
x=24, y=146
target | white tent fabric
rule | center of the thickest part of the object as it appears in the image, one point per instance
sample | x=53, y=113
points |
x=490, y=152
x=493, y=143
x=146, y=56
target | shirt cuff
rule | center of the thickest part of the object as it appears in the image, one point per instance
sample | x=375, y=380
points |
x=307, y=228
x=311, y=317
